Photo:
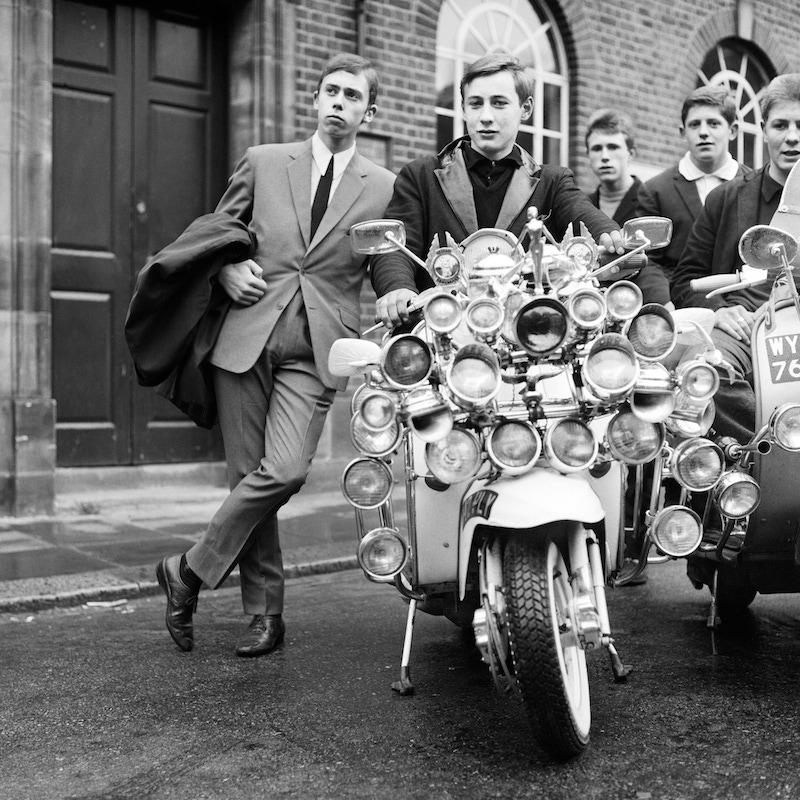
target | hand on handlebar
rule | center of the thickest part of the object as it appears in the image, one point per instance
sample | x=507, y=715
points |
x=392, y=309
x=612, y=242
x=736, y=321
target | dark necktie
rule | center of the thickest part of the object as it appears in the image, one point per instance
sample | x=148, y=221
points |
x=321, y=198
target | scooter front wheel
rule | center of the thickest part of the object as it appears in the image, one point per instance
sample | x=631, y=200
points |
x=549, y=662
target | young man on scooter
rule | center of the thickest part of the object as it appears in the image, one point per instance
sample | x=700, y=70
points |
x=713, y=248
x=483, y=180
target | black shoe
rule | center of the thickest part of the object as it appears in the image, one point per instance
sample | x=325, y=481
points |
x=181, y=602
x=262, y=636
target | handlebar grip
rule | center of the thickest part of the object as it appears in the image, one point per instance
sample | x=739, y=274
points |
x=639, y=261
x=711, y=282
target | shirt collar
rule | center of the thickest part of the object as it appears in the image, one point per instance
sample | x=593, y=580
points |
x=692, y=172
x=769, y=186
x=321, y=156
x=473, y=157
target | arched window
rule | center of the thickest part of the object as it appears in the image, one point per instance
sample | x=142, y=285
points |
x=469, y=29
x=744, y=72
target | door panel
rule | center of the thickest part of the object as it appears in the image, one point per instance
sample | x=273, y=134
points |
x=138, y=152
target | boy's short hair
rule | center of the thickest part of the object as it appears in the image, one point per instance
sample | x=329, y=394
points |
x=607, y=120
x=499, y=62
x=784, y=88
x=715, y=96
x=355, y=65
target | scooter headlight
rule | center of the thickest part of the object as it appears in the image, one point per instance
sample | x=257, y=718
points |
x=378, y=410
x=653, y=397
x=610, y=369
x=455, y=458
x=634, y=440
x=428, y=414
x=570, y=445
x=474, y=376
x=406, y=361
x=698, y=380
x=367, y=482
x=514, y=446
x=737, y=495
x=697, y=464
x=484, y=317
x=676, y=531
x=382, y=554
x=784, y=426
x=587, y=309
x=623, y=300
x=443, y=313
x=541, y=326
x=652, y=332
x=374, y=443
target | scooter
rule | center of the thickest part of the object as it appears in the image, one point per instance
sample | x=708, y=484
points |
x=510, y=404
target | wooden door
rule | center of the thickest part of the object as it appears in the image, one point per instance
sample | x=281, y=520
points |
x=139, y=98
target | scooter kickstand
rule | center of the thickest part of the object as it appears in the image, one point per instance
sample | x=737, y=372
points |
x=620, y=670
x=404, y=686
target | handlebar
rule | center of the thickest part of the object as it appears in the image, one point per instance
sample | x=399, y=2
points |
x=635, y=262
x=711, y=282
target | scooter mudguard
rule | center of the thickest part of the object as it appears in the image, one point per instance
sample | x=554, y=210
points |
x=527, y=501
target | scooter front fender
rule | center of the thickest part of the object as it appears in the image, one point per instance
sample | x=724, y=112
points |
x=526, y=501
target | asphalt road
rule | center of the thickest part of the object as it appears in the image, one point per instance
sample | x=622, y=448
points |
x=98, y=703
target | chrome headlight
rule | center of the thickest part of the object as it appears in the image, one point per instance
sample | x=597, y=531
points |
x=689, y=418
x=474, y=377
x=697, y=464
x=676, y=531
x=653, y=398
x=514, y=446
x=484, y=317
x=623, y=300
x=367, y=482
x=611, y=368
x=374, y=443
x=737, y=495
x=698, y=380
x=428, y=414
x=406, y=361
x=652, y=332
x=784, y=426
x=378, y=410
x=587, y=309
x=570, y=445
x=541, y=326
x=443, y=313
x=634, y=440
x=455, y=458
x=382, y=554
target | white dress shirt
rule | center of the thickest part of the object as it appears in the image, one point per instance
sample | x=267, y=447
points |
x=320, y=156
x=706, y=181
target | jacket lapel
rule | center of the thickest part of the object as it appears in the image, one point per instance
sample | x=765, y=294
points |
x=517, y=196
x=457, y=188
x=299, y=172
x=688, y=193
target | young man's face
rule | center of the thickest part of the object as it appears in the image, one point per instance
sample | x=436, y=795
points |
x=608, y=156
x=707, y=134
x=342, y=104
x=493, y=113
x=782, y=135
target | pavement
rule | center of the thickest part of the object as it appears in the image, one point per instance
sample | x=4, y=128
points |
x=111, y=526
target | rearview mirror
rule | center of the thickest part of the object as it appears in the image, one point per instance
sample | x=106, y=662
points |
x=764, y=247
x=370, y=237
x=655, y=232
x=350, y=356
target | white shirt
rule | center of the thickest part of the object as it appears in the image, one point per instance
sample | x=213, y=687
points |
x=706, y=181
x=320, y=156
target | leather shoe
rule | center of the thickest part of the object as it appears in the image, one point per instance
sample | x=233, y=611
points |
x=262, y=636
x=181, y=602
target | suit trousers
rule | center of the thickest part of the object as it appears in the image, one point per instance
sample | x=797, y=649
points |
x=735, y=399
x=271, y=418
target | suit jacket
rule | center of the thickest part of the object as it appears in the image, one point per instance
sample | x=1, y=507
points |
x=651, y=278
x=713, y=245
x=270, y=191
x=433, y=195
x=669, y=194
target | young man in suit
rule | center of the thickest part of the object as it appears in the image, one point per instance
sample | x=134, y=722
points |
x=713, y=247
x=298, y=294
x=481, y=180
x=610, y=147
x=708, y=125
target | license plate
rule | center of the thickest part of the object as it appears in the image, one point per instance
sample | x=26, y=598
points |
x=784, y=358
